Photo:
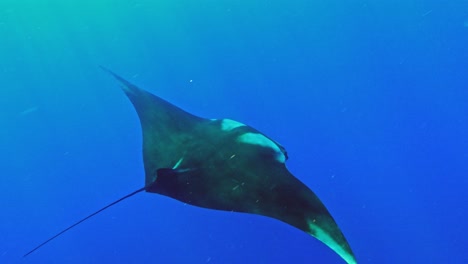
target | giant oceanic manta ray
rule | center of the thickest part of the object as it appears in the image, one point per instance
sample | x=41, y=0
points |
x=225, y=165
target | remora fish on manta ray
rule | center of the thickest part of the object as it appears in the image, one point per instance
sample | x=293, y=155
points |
x=224, y=165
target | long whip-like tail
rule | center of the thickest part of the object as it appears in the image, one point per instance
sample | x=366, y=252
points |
x=84, y=219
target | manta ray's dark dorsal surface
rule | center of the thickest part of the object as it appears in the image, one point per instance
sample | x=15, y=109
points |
x=225, y=165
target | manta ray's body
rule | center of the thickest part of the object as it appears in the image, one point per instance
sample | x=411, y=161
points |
x=224, y=165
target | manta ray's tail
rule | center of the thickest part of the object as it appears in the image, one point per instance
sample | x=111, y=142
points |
x=82, y=220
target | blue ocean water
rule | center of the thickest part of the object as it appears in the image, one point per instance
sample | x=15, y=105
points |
x=368, y=97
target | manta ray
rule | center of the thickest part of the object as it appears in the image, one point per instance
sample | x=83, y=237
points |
x=224, y=165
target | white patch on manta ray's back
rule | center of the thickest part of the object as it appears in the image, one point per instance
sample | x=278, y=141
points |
x=229, y=124
x=261, y=140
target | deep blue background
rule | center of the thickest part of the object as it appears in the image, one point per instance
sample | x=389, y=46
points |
x=370, y=98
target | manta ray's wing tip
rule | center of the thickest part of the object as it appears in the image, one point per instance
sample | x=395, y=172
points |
x=126, y=85
x=110, y=72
